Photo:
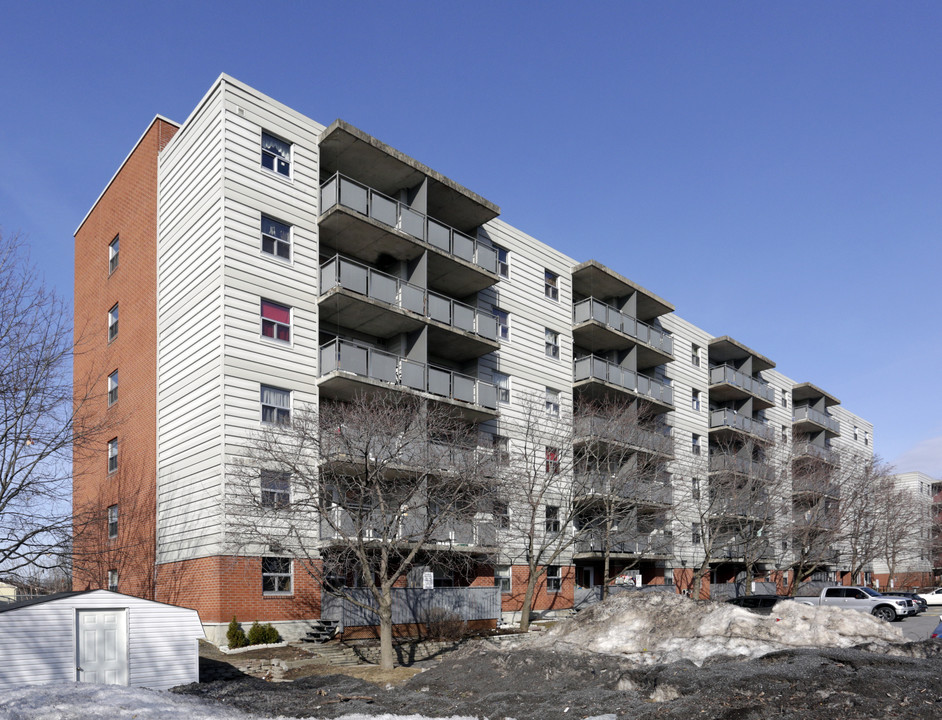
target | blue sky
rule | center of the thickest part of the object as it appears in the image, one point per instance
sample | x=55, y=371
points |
x=774, y=170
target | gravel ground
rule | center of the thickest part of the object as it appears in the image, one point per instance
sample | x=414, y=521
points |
x=525, y=683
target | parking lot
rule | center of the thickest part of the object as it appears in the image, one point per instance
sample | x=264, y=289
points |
x=920, y=626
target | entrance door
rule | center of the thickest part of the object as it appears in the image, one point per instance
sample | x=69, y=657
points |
x=588, y=577
x=102, y=647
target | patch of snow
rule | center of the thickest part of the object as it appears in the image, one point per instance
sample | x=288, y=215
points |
x=235, y=651
x=663, y=628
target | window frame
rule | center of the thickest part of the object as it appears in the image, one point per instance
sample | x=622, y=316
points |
x=279, y=414
x=696, y=445
x=114, y=248
x=554, y=579
x=696, y=534
x=112, y=455
x=113, y=388
x=113, y=322
x=695, y=355
x=277, y=494
x=695, y=400
x=277, y=574
x=503, y=265
x=550, y=285
x=271, y=326
x=112, y=521
x=553, y=399
x=503, y=578
x=276, y=241
x=499, y=379
x=551, y=340
x=501, y=448
x=503, y=324
x=501, y=512
x=551, y=522
x=552, y=458
x=113, y=580
x=276, y=159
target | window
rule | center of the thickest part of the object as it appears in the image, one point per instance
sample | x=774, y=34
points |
x=695, y=533
x=113, y=388
x=552, y=402
x=866, y=438
x=695, y=400
x=276, y=575
x=695, y=355
x=503, y=324
x=784, y=399
x=112, y=455
x=552, y=344
x=275, y=488
x=784, y=433
x=554, y=579
x=503, y=262
x=276, y=405
x=552, y=518
x=113, y=323
x=855, y=432
x=113, y=522
x=502, y=383
x=501, y=447
x=695, y=488
x=552, y=460
x=276, y=238
x=276, y=155
x=551, y=285
x=276, y=321
x=113, y=580
x=502, y=514
x=695, y=448
x=502, y=578
x=113, y=255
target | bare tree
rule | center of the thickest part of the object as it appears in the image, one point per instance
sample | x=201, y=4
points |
x=863, y=524
x=363, y=491
x=39, y=411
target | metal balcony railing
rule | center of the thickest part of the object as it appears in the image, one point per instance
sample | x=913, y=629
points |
x=341, y=190
x=625, y=541
x=728, y=462
x=593, y=367
x=731, y=376
x=822, y=453
x=356, y=277
x=642, y=491
x=804, y=412
x=368, y=362
x=655, y=438
x=592, y=309
x=732, y=419
x=815, y=486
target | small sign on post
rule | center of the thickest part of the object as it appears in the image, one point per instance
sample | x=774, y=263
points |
x=428, y=581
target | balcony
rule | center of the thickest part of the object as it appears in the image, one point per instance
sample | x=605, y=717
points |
x=466, y=535
x=721, y=462
x=657, y=544
x=637, y=491
x=361, y=298
x=807, y=419
x=593, y=370
x=600, y=327
x=740, y=503
x=802, y=450
x=347, y=368
x=814, y=518
x=814, y=486
x=728, y=383
x=364, y=223
x=731, y=420
x=755, y=549
x=654, y=439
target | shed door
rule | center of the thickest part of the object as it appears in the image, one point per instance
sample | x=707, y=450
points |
x=102, y=652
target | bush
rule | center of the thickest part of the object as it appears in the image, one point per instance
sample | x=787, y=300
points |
x=235, y=635
x=445, y=625
x=263, y=634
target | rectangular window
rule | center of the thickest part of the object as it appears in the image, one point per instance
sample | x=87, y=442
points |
x=695, y=448
x=855, y=432
x=276, y=238
x=695, y=488
x=551, y=285
x=276, y=405
x=113, y=580
x=502, y=578
x=113, y=323
x=554, y=579
x=695, y=400
x=275, y=488
x=502, y=514
x=503, y=262
x=113, y=522
x=695, y=355
x=502, y=383
x=784, y=433
x=276, y=575
x=552, y=344
x=866, y=437
x=784, y=399
x=552, y=518
x=113, y=388
x=552, y=402
x=552, y=460
x=276, y=321
x=276, y=155
x=112, y=455
x=695, y=534
x=113, y=255
x=503, y=324
x=501, y=447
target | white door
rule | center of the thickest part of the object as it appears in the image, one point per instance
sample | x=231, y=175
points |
x=102, y=652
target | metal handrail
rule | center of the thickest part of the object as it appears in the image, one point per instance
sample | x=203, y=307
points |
x=732, y=376
x=592, y=309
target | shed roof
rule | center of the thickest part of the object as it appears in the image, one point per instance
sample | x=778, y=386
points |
x=75, y=593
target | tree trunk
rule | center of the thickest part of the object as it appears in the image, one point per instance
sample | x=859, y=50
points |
x=528, y=601
x=698, y=578
x=385, y=629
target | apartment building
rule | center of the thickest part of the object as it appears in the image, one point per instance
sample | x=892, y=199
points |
x=261, y=263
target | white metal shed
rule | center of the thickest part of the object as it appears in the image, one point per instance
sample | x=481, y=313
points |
x=98, y=636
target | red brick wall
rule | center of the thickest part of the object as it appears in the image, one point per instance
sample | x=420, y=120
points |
x=127, y=208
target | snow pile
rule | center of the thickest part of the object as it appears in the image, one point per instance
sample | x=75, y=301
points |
x=662, y=628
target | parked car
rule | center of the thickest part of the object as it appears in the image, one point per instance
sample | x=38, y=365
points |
x=937, y=633
x=920, y=604
x=761, y=604
x=932, y=597
x=864, y=599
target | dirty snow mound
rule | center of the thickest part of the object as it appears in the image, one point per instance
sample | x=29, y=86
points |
x=660, y=628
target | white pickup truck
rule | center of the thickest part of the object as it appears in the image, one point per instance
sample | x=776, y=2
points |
x=864, y=599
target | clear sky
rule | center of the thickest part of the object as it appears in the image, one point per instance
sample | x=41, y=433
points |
x=772, y=169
